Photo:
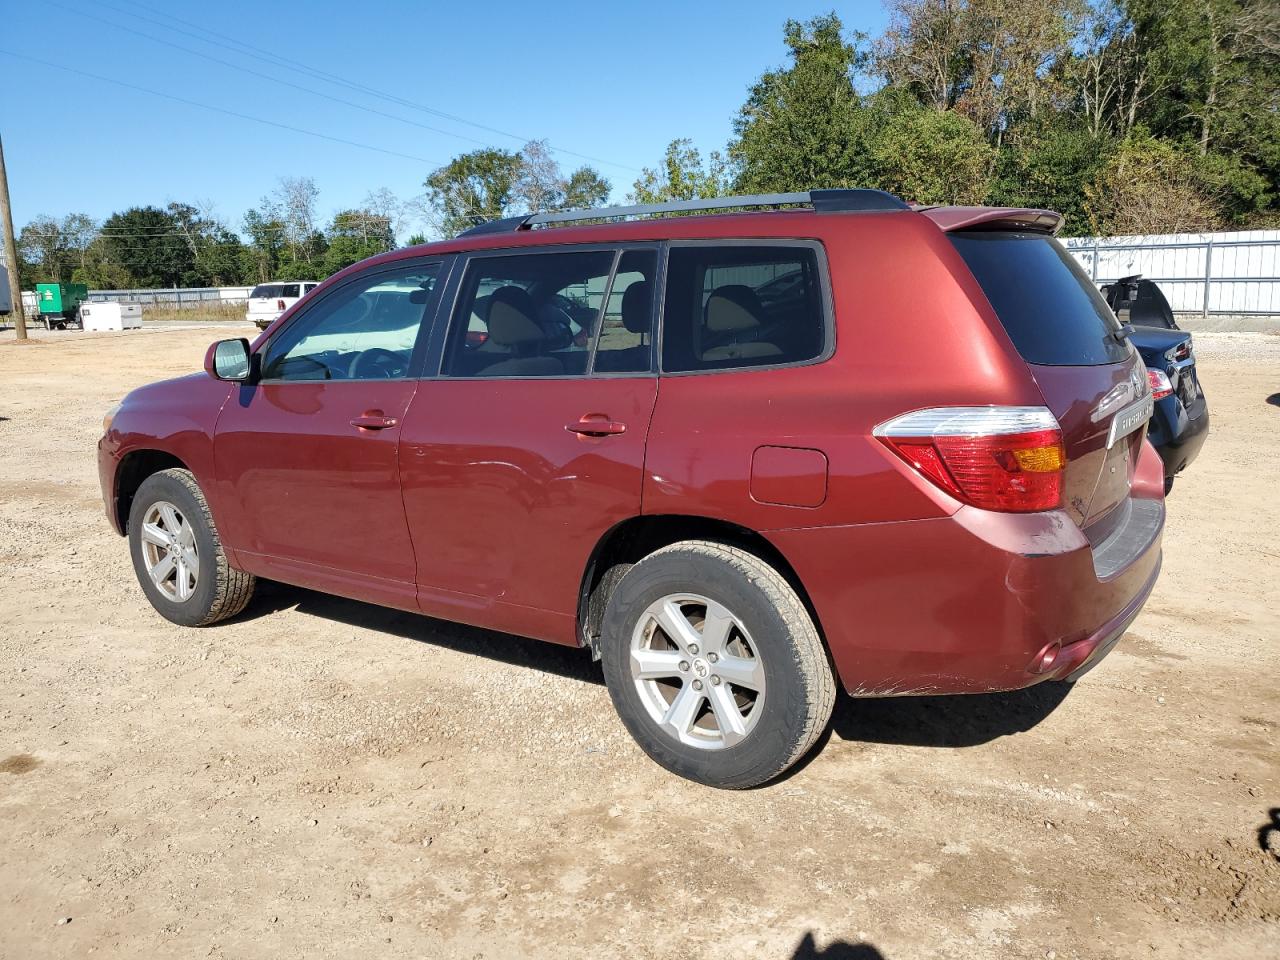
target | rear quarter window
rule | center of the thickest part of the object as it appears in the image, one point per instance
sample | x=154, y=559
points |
x=742, y=305
x=1052, y=312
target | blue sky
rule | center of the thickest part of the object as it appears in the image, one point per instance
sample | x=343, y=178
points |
x=613, y=81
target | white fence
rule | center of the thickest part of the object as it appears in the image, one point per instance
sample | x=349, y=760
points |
x=176, y=297
x=1204, y=273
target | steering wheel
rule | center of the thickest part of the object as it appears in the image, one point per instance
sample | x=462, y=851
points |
x=377, y=363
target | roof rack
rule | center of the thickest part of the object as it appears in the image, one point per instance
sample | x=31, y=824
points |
x=822, y=201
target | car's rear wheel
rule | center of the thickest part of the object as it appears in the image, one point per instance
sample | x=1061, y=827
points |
x=177, y=555
x=714, y=664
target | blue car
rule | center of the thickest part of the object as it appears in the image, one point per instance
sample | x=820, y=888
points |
x=1180, y=422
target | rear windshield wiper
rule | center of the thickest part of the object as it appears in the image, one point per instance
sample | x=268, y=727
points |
x=1123, y=334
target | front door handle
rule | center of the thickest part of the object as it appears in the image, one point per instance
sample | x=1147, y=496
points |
x=373, y=420
x=596, y=425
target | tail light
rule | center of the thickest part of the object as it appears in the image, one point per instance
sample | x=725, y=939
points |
x=476, y=338
x=1160, y=385
x=279, y=304
x=998, y=458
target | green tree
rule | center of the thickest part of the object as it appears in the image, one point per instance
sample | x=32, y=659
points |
x=354, y=235
x=100, y=271
x=147, y=242
x=1047, y=164
x=473, y=188
x=1149, y=185
x=801, y=125
x=1216, y=65
x=585, y=189
x=261, y=259
x=926, y=156
x=682, y=176
x=43, y=248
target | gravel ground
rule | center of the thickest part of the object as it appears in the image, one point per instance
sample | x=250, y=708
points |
x=321, y=777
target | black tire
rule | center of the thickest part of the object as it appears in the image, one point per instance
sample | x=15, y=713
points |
x=220, y=590
x=800, y=688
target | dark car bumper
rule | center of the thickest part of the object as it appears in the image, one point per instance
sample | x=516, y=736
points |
x=1178, y=432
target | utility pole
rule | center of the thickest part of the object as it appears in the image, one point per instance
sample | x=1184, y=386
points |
x=11, y=251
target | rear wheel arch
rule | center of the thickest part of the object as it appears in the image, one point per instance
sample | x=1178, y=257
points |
x=635, y=538
x=134, y=468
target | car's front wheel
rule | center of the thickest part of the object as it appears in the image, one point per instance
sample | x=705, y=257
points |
x=178, y=556
x=714, y=664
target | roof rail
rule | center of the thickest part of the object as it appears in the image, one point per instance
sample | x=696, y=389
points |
x=822, y=201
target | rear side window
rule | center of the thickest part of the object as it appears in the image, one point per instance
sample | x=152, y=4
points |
x=1051, y=310
x=742, y=306
x=291, y=290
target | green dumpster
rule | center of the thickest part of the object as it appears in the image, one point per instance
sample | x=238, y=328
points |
x=59, y=303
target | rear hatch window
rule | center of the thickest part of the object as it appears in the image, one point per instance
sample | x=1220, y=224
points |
x=1064, y=330
x=264, y=290
x=1053, y=314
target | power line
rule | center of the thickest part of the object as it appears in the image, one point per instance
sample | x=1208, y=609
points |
x=265, y=76
x=208, y=106
x=275, y=59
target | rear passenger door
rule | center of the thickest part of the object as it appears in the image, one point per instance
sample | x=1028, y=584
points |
x=529, y=443
x=743, y=424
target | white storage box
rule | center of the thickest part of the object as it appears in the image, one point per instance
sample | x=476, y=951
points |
x=111, y=315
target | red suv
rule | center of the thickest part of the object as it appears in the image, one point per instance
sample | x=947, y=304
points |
x=735, y=456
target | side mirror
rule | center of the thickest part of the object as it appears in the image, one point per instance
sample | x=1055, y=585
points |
x=229, y=360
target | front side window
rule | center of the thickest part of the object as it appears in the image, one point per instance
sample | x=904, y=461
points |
x=742, y=306
x=529, y=315
x=365, y=330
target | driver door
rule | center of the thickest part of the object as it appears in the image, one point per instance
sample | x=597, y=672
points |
x=306, y=457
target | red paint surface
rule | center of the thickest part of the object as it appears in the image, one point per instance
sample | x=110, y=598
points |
x=481, y=506
x=789, y=476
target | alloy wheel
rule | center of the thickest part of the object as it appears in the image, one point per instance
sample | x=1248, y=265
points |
x=697, y=670
x=169, y=551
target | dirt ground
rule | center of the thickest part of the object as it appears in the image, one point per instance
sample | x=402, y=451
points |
x=325, y=778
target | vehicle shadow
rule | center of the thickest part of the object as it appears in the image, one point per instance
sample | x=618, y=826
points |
x=940, y=721
x=1269, y=834
x=1274, y=399
x=964, y=720
x=836, y=950
x=570, y=662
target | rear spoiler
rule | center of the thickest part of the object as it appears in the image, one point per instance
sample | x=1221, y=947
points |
x=950, y=219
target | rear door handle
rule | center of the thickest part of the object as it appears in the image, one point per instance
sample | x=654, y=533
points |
x=373, y=420
x=596, y=425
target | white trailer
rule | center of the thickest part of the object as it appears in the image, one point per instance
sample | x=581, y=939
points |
x=111, y=315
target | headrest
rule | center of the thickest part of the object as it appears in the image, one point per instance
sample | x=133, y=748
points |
x=511, y=317
x=733, y=307
x=636, y=313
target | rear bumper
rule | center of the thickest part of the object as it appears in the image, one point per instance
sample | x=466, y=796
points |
x=1178, y=432
x=978, y=601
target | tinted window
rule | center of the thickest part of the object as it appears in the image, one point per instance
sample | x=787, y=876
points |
x=1052, y=312
x=741, y=306
x=532, y=315
x=365, y=330
x=626, y=330
x=291, y=290
x=266, y=290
